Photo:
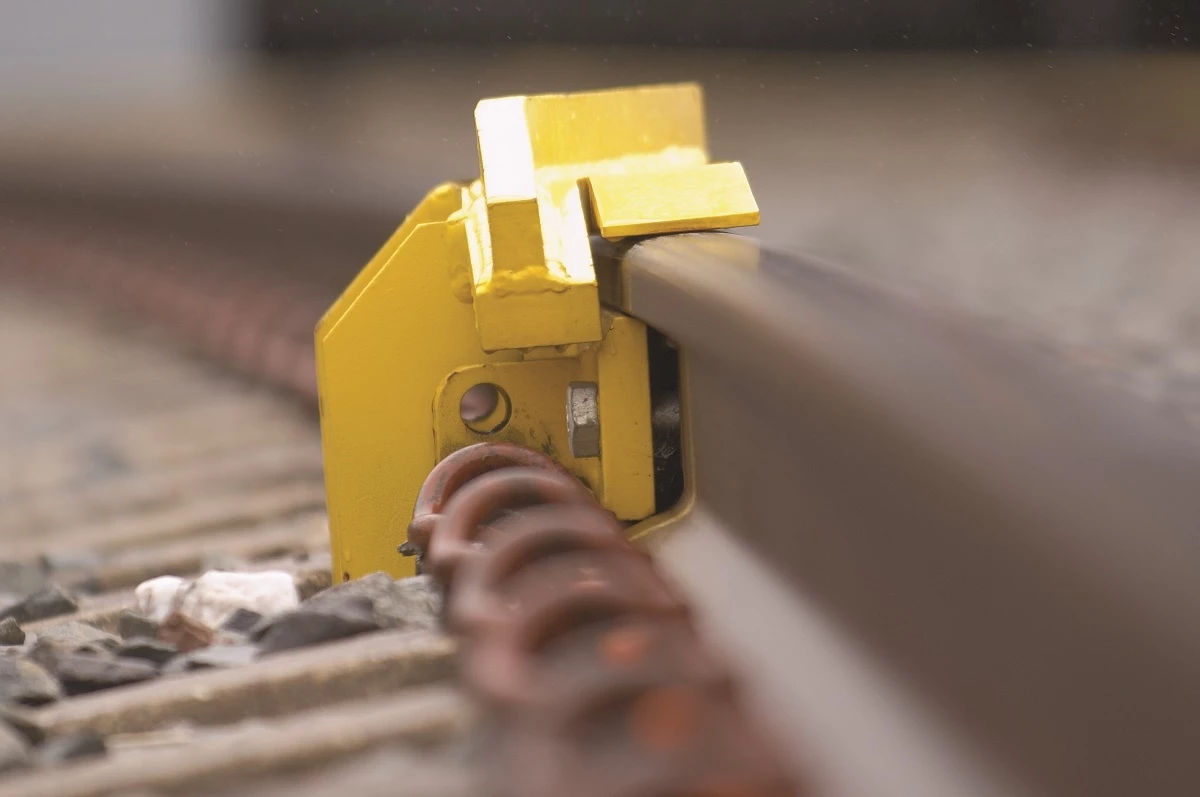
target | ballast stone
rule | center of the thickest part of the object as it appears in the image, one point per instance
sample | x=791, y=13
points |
x=313, y=624
x=14, y=750
x=131, y=625
x=413, y=603
x=213, y=597
x=25, y=682
x=216, y=657
x=155, y=598
x=81, y=673
x=154, y=651
x=51, y=601
x=74, y=635
x=81, y=744
x=10, y=632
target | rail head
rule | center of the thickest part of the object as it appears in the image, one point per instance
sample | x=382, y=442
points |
x=1018, y=543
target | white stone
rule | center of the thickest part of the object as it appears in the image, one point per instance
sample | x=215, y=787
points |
x=156, y=598
x=214, y=596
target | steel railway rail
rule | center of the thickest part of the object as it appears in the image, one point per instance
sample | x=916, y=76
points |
x=941, y=563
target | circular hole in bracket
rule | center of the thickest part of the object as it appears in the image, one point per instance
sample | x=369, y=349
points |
x=485, y=408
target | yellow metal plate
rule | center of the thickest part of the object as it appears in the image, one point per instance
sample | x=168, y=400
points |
x=708, y=197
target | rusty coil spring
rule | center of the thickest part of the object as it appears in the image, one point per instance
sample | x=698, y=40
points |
x=597, y=682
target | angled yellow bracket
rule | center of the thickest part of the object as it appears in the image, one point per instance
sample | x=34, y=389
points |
x=635, y=160
x=708, y=197
x=491, y=284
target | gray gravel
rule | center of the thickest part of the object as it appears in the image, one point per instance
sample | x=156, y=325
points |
x=84, y=744
x=19, y=718
x=242, y=621
x=81, y=673
x=148, y=649
x=51, y=601
x=216, y=657
x=407, y=603
x=27, y=683
x=14, y=750
x=130, y=624
x=10, y=632
x=75, y=635
x=342, y=616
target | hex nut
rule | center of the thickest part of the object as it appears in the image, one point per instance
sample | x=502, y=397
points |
x=583, y=419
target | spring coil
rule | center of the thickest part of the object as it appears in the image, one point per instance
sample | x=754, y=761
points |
x=597, y=683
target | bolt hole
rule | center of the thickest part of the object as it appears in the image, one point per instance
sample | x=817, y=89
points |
x=485, y=408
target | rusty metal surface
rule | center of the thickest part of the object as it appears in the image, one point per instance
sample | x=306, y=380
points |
x=597, y=683
x=1018, y=543
x=453, y=472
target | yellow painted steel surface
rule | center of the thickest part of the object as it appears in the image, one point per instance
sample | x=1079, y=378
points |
x=531, y=268
x=622, y=477
x=694, y=198
x=493, y=283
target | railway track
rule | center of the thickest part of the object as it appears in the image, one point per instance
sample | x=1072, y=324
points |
x=127, y=458
x=264, y=512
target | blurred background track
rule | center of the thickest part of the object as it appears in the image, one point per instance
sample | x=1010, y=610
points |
x=123, y=460
x=1046, y=188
